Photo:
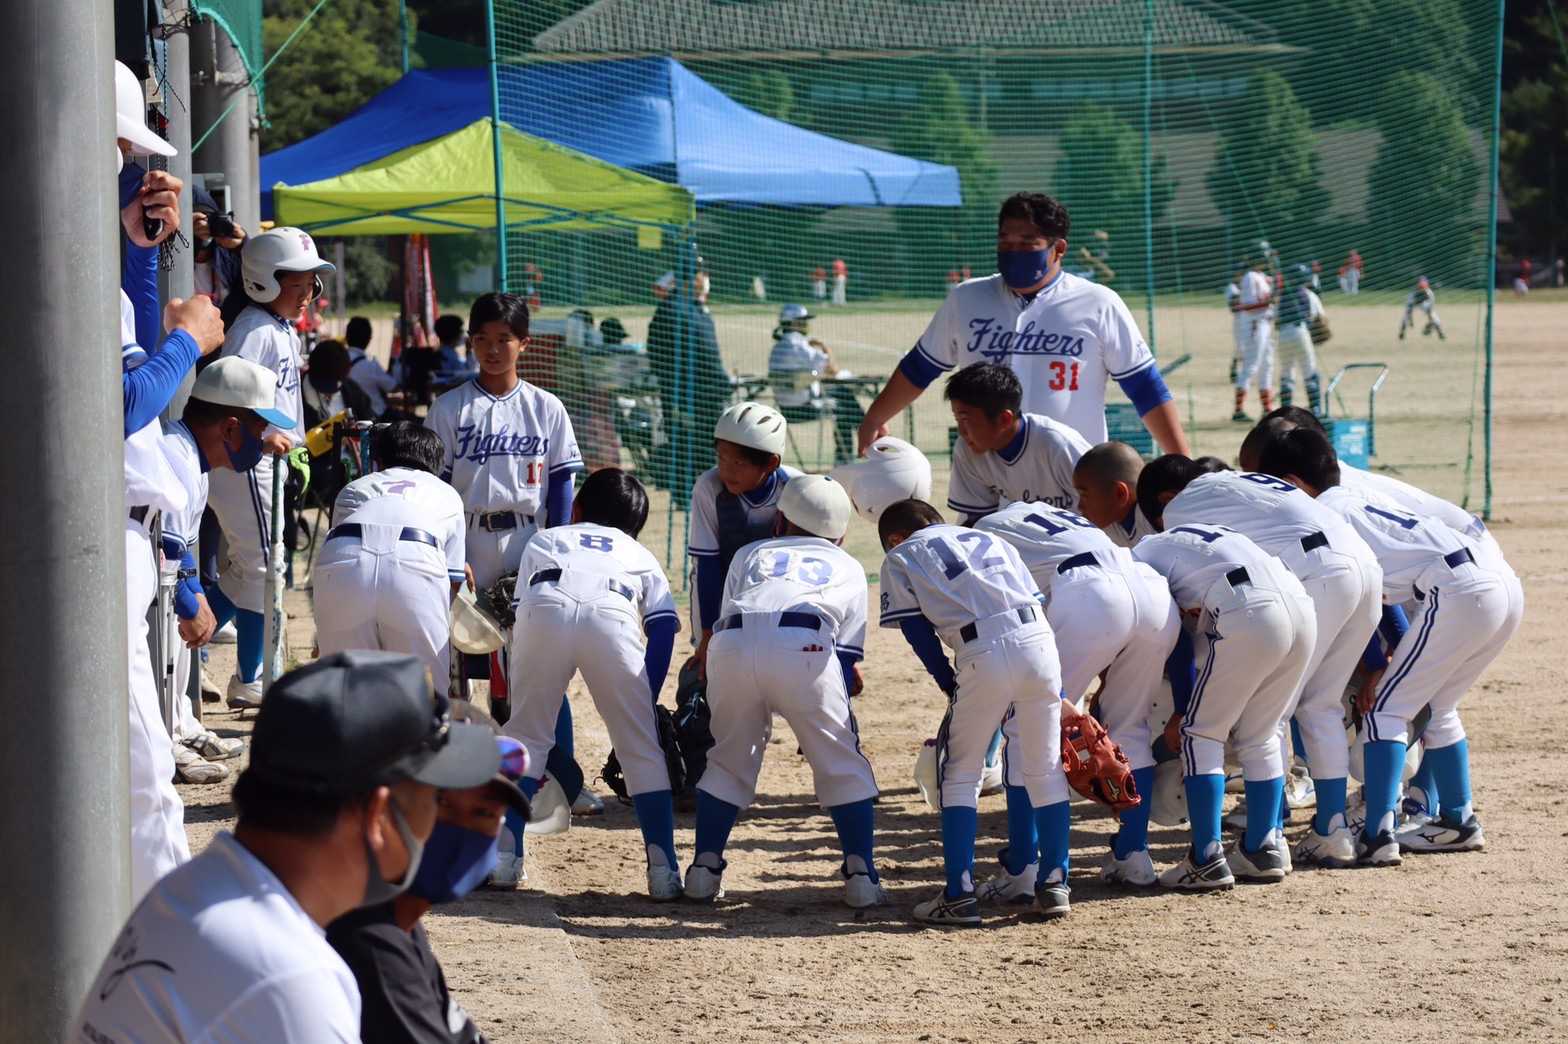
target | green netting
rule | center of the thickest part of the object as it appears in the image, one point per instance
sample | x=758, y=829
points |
x=429, y=51
x=1180, y=134
x=241, y=19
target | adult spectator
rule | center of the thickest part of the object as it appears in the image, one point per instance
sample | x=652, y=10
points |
x=694, y=387
x=403, y=991
x=216, y=245
x=364, y=372
x=794, y=362
x=1063, y=335
x=334, y=810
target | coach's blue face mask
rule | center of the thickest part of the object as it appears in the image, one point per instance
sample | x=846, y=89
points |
x=1022, y=269
x=456, y=861
x=249, y=453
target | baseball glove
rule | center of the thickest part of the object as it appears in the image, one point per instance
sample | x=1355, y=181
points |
x=499, y=600
x=615, y=779
x=1095, y=766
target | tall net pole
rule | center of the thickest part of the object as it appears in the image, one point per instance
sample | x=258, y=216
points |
x=495, y=147
x=1491, y=262
x=1148, y=164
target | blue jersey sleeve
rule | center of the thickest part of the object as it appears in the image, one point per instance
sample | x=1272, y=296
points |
x=1180, y=669
x=919, y=368
x=151, y=386
x=661, y=645
x=922, y=638
x=1390, y=631
x=558, y=499
x=710, y=589
x=1146, y=389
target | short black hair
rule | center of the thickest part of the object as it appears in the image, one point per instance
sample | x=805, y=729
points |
x=1304, y=453
x=499, y=308
x=1043, y=212
x=612, y=497
x=1110, y=462
x=1167, y=474
x=1300, y=416
x=288, y=810
x=199, y=413
x=988, y=387
x=409, y=444
x=906, y=516
x=1212, y=464
x=358, y=333
x=327, y=365
x=449, y=328
x=612, y=330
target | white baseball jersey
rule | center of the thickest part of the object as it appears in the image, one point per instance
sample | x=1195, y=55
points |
x=221, y=950
x=793, y=352
x=1063, y=345
x=954, y=576
x=1410, y=499
x=1256, y=289
x=1270, y=511
x=408, y=497
x=1240, y=322
x=808, y=573
x=1045, y=536
x=1192, y=558
x=1130, y=530
x=502, y=452
x=179, y=447
x=149, y=481
x=591, y=554
x=755, y=512
x=263, y=338
x=1406, y=545
x=1038, y=468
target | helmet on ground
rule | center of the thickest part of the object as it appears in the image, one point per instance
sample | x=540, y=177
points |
x=549, y=812
x=817, y=504
x=277, y=250
x=925, y=774
x=892, y=471
x=753, y=425
x=1168, y=803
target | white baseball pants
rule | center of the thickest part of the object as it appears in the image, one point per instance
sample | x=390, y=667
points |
x=379, y=591
x=1009, y=676
x=493, y=554
x=243, y=503
x=1253, y=646
x=1257, y=358
x=762, y=669
x=576, y=625
x=1296, y=353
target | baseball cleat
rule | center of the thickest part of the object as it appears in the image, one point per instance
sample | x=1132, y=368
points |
x=963, y=911
x=1188, y=876
x=1441, y=836
x=1413, y=813
x=859, y=890
x=191, y=767
x=243, y=695
x=1265, y=866
x=1379, y=850
x=588, y=803
x=1335, y=850
x=508, y=872
x=1007, y=887
x=1300, y=791
x=664, y=880
x=214, y=747
x=992, y=779
x=705, y=883
x=1136, y=870
x=1053, y=898
x=1240, y=417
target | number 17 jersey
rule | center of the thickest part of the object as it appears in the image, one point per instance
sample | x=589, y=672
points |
x=804, y=574
x=953, y=576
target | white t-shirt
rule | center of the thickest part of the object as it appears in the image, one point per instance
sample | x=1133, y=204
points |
x=804, y=573
x=954, y=576
x=591, y=554
x=793, y=352
x=263, y=338
x=219, y=950
x=1192, y=558
x=370, y=378
x=502, y=452
x=409, y=497
x=1045, y=536
x=1040, y=469
x=149, y=479
x=756, y=511
x=1272, y=513
x=1064, y=345
x=1406, y=545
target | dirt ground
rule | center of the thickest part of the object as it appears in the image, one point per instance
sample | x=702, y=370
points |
x=1445, y=948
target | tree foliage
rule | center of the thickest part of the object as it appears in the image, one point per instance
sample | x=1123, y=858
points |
x=1535, y=134
x=350, y=50
x=1267, y=179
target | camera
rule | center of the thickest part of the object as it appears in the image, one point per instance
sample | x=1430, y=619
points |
x=220, y=226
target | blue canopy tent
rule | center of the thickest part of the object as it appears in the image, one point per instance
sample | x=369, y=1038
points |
x=651, y=115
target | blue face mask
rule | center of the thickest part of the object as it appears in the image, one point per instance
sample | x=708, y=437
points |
x=455, y=862
x=1022, y=269
x=249, y=453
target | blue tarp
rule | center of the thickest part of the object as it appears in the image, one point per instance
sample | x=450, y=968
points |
x=651, y=115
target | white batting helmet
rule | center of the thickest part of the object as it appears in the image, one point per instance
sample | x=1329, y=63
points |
x=277, y=250
x=473, y=631
x=792, y=313
x=1168, y=803
x=892, y=471
x=925, y=774
x=753, y=425
x=1358, y=770
x=818, y=505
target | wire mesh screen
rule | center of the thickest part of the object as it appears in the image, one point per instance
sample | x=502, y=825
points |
x=241, y=20
x=850, y=159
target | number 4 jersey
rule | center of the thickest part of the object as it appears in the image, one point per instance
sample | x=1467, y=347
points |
x=953, y=576
x=591, y=558
x=804, y=574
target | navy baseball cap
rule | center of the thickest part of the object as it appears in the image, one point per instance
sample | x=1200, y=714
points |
x=354, y=721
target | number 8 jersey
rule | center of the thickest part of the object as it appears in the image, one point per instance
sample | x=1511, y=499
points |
x=802, y=573
x=953, y=576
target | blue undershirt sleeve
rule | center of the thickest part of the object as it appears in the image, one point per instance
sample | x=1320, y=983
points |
x=558, y=499
x=661, y=644
x=922, y=638
x=1180, y=669
x=1390, y=631
x=151, y=386
x=710, y=590
x=920, y=370
x=846, y=662
x=1146, y=389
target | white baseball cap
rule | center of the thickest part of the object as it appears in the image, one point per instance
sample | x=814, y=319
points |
x=665, y=281
x=130, y=115
x=233, y=381
x=817, y=504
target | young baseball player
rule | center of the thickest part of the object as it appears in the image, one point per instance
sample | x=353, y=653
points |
x=394, y=557
x=1004, y=455
x=1423, y=298
x=1106, y=482
x=592, y=599
x=1298, y=306
x=974, y=592
x=280, y=270
x=1111, y=616
x=1254, y=631
x=788, y=639
x=1240, y=323
x=1466, y=615
x=1257, y=359
x=734, y=503
x=1335, y=566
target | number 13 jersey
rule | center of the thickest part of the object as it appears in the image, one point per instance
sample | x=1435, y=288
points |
x=805, y=574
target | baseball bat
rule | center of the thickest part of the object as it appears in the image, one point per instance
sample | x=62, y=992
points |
x=272, y=637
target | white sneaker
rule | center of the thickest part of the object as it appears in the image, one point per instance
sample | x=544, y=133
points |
x=243, y=695
x=1053, y=899
x=225, y=635
x=940, y=910
x=1438, y=836
x=992, y=779
x=191, y=767
x=664, y=880
x=1189, y=876
x=508, y=872
x=859, y=890
x=1300, y=791
x=1136, y=870
x=1008, y=887
x=214, y=747
x=587, y=804
x=1265, y=866
x=1356, y=814
x=705, y=883
x=1336, y=849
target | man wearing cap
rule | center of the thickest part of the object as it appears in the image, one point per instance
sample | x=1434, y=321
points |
x=794, y=362
x=334, y=810
x=788, y=640
x=216, y=244
x=694, y=386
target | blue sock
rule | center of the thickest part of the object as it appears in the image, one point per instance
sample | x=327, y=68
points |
x=1451, y=777
x=1134, y=833
x=1385, y=761
x=1205, y=798
x=1262, y=794
x=567, y=772
x=529, y=786
x=715, y=820
x=1052, y=823
x=995, y=749
x=1425, y=782
x=959, y=824
x=223, y=610
x=563, y=730
x=856, y=825
x=1296, y=746
x=514, y=823
x=250, y=629
x=1331, y=802
x=1022, y=841
x=656, y=818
